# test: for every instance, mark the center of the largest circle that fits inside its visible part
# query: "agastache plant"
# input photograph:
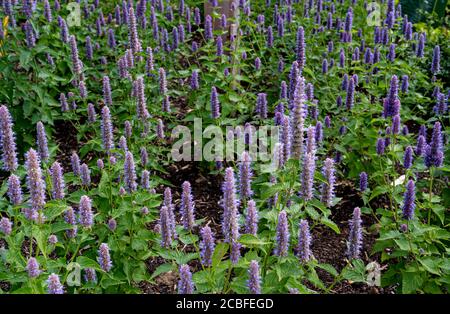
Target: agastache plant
(187, 206)
(7, 141)
(35, 182)
(254, 281)
(282, 235)
(207, 246)
(355, 236)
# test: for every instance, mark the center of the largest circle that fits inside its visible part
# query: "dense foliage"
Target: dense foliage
(87, 201)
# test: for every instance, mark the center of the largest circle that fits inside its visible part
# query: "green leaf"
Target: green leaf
(411, 281)
(219, 252)
(250, 240)
(329, 223)
(164, 268)
(329, 269)
(86, 262)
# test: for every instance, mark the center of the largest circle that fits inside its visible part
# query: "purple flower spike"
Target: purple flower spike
(304, 242)
(350, 98)
(187, 206)
(215, 104)
(301, 48)
(421, 46)
(14, 190)
(207, 246)
(35, 182)
(408, 200)
(194, 80)
(76, 62)
(166, 227)
(355, 236)
(85, 175)
(251, 221)
(107, 91)
(42, 142)
(107, 130)
(92, 115)
(298, 118)
(282, 235)
(380, 146)
(75, 161)
(104, 258)
(185, 284)
(254, 281)
(85, 211)
(129, 173)
(33, 268)
(5, 226)
(362, 181)
(54, 286)
(7, 140)
(441, 106)
(434, 151)
(71, 219)
(56, 172)
(208, 28)
(435, 64)
(408, 157)
(90, 275)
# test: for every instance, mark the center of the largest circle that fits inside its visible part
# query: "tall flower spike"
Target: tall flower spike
(7, 140)
(71, 219)
(304, 242)
(56, 172)
(35, 181)
(135, 43)
(129, 173)
(187, 206)
(245, 177)
(362, 181)
(298, 118)
(215, 105)
(5, 226)
(282, 235)
(162, 81)
(42, 142)
(408, 200)
(14, 190)
(145, 180)
(33, 268)
(85, 211)
(434, 151)
(85, 175)
(107, 91)
(408, 157)
(435, 64)
(254, 281)
(355, 236)
(206, 246)
(229, 201)
(167, 229)
(77, 66)
(185, 284)
(107, 130)
(328, 187)
(54, 286)
(104, 258)
(300, 50)
(350, 98)
(251, 221)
